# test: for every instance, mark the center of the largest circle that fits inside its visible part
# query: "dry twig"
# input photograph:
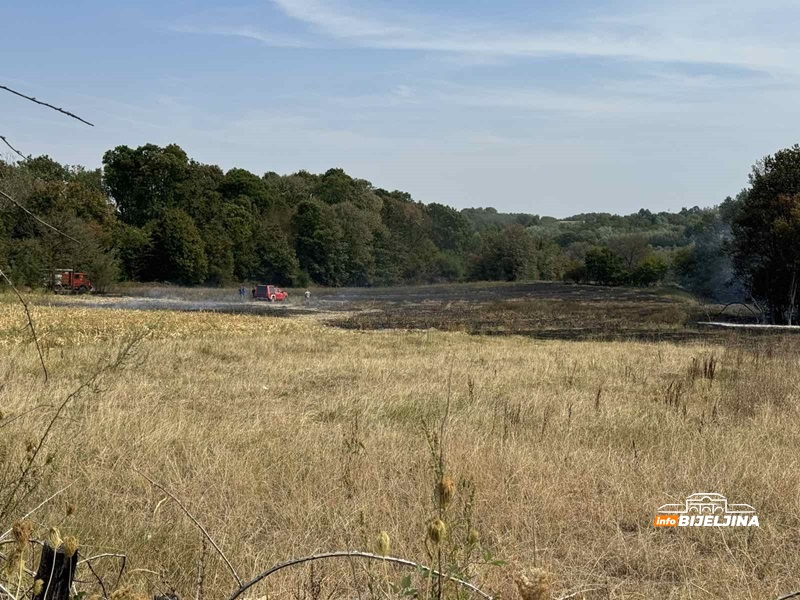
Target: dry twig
(32, 99)
(575, 594)
(123, 563)
(30, 320)
(357, 554)
(7, 143)
(37, 507)
(198, 524)
(39, 220)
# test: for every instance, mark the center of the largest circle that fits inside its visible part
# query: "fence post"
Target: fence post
(56, 570)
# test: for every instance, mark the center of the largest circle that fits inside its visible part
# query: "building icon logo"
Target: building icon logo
(706, 509)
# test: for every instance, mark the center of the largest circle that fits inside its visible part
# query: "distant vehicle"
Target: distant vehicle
(67, 281)
(269, 292)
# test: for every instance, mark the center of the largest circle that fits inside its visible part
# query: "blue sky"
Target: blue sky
(552, 107)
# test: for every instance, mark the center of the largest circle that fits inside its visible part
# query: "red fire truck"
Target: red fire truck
(67, 281)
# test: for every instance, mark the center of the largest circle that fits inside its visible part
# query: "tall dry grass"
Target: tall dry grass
(286, 437)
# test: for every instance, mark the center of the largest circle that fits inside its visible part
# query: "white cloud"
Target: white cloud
(275, 40)
(671, 34)
(403, 91)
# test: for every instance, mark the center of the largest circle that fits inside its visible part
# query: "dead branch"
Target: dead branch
(201, 571)
(10, 420)
(792, 595)
(40, 505)
(7, 143)
(39, 220)
(30, 320)
(122, 565)
(575, 594)
(357, 554)
(32, 99)
(99, 580)
(6, 592)
(198, 524)
(27, 570)
(104, 555)
(724, 308)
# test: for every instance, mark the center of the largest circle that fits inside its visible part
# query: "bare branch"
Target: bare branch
(26, 569)
(99, 580)
(575, 594)
(32, 99)
(7, 143)
(30, 320)
(40, 505)
(10, 420)
(104, 555)
(357, 554)
(792, 595)
(199, 526)
(123, 563)
(6, 592)
(29, 213)
(201, 572)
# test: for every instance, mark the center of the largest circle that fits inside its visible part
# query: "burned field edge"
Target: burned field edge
(551, 312)
(539, 310)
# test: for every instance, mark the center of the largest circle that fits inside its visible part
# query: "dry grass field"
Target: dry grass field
(287, 437)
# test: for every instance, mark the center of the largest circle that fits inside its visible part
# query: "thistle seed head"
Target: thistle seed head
(70, 546)
(436, 531)
(384, 543)
(21, 530)
(54, 538)
(474, 537)
(445, 490)
(535, 587)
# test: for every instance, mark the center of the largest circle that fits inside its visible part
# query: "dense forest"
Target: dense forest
(153, 214)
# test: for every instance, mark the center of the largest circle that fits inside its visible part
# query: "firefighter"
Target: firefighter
(308, 296)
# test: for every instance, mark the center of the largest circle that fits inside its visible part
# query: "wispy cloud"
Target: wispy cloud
(276, 40)
(645, 35)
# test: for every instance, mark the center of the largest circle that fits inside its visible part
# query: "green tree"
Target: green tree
(143, 182)
(317, 241)
(103, 269)
(178, 252)
(605, 267)
(27, 262)
(357, 237)
(649, 271)
(632, 248)
(505, 255)
(276, 262)
(765, 247)
(238, 182)
(451, 231)
(133, 248)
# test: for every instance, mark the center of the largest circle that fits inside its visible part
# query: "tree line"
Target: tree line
(153, 214)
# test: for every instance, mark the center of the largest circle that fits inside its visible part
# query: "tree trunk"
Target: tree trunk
(792, 295)
(57, 571)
